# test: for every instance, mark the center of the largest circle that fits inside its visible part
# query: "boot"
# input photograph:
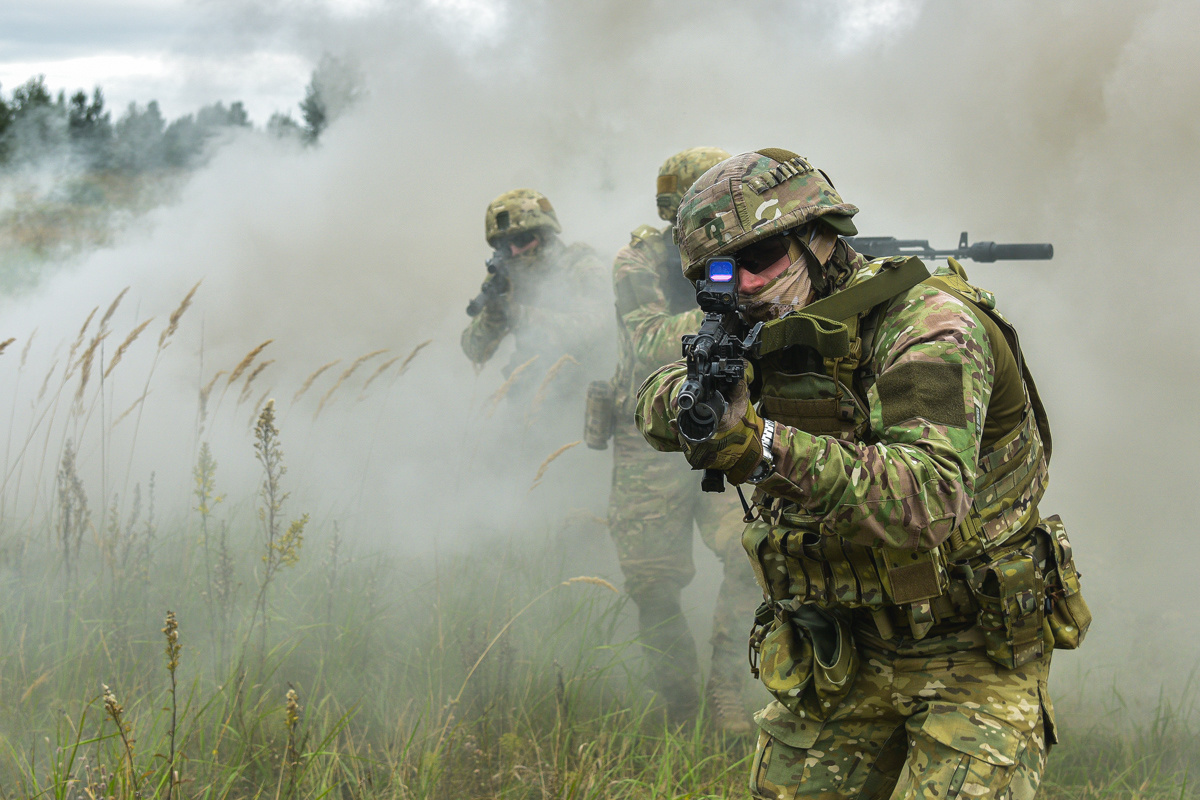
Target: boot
(726, 709)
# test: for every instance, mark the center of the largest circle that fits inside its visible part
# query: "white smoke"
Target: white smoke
(1018, 121)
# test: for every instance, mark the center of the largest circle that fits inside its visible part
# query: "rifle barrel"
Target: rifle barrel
(983, 252)
(990, 251)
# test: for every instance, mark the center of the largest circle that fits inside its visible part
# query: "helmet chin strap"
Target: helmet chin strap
(818, 242)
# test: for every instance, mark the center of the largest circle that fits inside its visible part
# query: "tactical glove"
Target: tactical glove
(736, 446)
(499, 312)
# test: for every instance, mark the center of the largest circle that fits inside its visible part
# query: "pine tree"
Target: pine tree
(335, 86)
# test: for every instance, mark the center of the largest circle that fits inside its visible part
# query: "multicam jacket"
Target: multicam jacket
(656, 306)
(555, 307)
(905, 463)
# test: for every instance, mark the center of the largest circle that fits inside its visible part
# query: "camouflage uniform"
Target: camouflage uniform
(913, 592)
(553, 307)
(654, 501)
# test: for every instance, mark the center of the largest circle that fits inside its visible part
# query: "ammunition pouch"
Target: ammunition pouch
(1068, 616)
(1021, 590)
(804, 656)
(795, 561)
(599, 415)
(1011, 593)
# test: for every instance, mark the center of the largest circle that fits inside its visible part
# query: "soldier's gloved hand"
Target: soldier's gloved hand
(498, 312)
(736, 447)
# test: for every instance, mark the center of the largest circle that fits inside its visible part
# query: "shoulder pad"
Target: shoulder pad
(956, 280)
(643, 234)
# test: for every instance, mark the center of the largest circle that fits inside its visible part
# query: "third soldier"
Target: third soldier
(542, 291)
(655, 501)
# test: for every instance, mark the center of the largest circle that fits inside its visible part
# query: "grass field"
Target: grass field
(237, 648)
(377, 678)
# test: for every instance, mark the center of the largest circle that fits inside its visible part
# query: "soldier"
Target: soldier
(898, 453)
(545, 293)
(654, 501)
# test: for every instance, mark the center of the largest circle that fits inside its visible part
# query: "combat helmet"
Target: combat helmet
(751, 197)
(679, 172)
(519, 211)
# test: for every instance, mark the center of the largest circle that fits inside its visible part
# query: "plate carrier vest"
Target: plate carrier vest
(816, 370)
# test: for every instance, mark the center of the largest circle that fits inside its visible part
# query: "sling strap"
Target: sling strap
(820, 324)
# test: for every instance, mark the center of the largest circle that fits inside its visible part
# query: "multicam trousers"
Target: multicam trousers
(655, 500)
(934, 718)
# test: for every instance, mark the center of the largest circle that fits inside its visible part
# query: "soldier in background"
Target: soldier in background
(655, 501)
(547, 294)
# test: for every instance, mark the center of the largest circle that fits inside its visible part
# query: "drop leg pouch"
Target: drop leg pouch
(808, 661)
(599, 415)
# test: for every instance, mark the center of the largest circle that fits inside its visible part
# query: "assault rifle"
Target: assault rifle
(493, 287)
(715, 361)
(887, 246)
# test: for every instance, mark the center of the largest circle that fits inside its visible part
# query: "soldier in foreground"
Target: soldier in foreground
(545, 293)
(654, 501)
(898, 452)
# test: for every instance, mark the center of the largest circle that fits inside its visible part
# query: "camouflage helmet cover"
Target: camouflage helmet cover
(518, 211)
(751, 197)
(679, 172)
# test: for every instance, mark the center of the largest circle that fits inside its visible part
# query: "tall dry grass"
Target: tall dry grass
(488, 673)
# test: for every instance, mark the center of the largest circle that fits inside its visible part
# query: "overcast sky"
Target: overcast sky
(189, 53)
(182, 53)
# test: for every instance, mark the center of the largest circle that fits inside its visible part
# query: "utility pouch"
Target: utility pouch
(1068, 614)
(807, 659)
(1011, 595)
(600, 415)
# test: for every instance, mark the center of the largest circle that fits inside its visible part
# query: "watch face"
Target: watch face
(761, 472)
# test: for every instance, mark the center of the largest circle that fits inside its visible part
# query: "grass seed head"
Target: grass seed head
(346, 374)
(171, 632)
(46, 382)
(111, 706)
(539, 397)
(173, 321)
(125, 345)
(494, 401)
(85, 365)
(205, 476)
(408, 359)
(4, 345)
(382, 368)
(308, 382)
(292, 709)
(112, 309)
(245, 395)
(594, 581)
(129, 410)
(245, 363)
(537, 479)
(25, 349)
(78, 341)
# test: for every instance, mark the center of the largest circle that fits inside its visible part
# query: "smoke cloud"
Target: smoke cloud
(1070, 123)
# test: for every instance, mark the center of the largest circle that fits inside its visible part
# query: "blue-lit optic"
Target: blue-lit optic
(720, 271)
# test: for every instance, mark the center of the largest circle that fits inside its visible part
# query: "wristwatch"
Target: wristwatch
(766, 467)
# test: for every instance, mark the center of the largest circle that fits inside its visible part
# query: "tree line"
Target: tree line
(37, 124)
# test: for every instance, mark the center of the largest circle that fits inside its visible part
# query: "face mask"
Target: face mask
(792, 290)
